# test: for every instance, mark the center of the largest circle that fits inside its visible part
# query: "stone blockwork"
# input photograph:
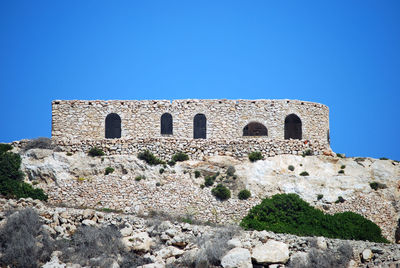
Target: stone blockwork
(164, 148)
(76, 124)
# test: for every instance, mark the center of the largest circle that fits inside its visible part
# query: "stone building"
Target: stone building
(271, 126)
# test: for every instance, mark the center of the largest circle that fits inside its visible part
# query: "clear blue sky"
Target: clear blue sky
(342, 53)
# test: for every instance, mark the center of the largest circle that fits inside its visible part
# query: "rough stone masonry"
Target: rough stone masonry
(197, 127)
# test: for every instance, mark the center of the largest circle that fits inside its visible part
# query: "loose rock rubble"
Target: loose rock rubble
(176, 244)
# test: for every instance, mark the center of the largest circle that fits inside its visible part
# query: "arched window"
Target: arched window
(113, 126)
(166, 124)
(293, 127)
(255, 129)
(199, 126)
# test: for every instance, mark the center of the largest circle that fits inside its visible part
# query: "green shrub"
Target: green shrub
(342, 166)
(341, 171)
(230, 171)
(244, 194)
(291, 168)
(4, 147)
(180, 157)
(254, 156)
(11, 184)
(307, 152)
(209, 181)
(304, 173)
(9, 166)
(221, 192)
(96, 152)
(161, 170)
(140, 177)
(374, 185)
(340, 200)
(377, 185)
(383, 158)
(320, 196)
(288, 213)
(108, 170)
(69, 154)
(197, 174)
(20, 189)
(171, 163)
(149, 158)
(158, 184)
(340, 155)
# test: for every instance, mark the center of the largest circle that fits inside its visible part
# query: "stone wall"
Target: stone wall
(78, 124)
(164, 148)
(75, 119)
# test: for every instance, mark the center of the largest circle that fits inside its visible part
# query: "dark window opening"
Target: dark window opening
(113, 126)
(328, 137)
(293, 127)
(166, 124)
(199, 126)
(255, 129)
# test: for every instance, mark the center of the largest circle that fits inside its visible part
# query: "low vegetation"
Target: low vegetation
(140, 177)
(304, 173)
(161, 170)
(221, 192)
(244, 194)
(340, 155)
(38, 143)
(288, 213)
(320, 196)
(95, 152)
(377, 185)
(108, 170)
(209, 181)
(197, 174)
(180, 157)
(291, 168)
(24, 244)
(149, 158)
(255, 156)
(340, 200)
(230, 171)
(323, 258)
(11, 177)
(307, 152)
(341, 171)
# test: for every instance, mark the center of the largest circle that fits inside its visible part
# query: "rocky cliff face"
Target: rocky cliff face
(79, 180)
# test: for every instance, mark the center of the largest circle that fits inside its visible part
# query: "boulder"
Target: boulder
(271, 252)
(168, 252)
(88, 223)
(321, 243)
(366, 255)
(237, 258)
(139, 242)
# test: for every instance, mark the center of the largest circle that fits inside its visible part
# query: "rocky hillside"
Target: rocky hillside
(333, 184)
(68, 237)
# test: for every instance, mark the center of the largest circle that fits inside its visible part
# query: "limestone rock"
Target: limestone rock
(321, 243)
(367, 255)
(168, 252)
(139, 242)
(271, 252)
(88, 223)
(54, 263)
(237, 258)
